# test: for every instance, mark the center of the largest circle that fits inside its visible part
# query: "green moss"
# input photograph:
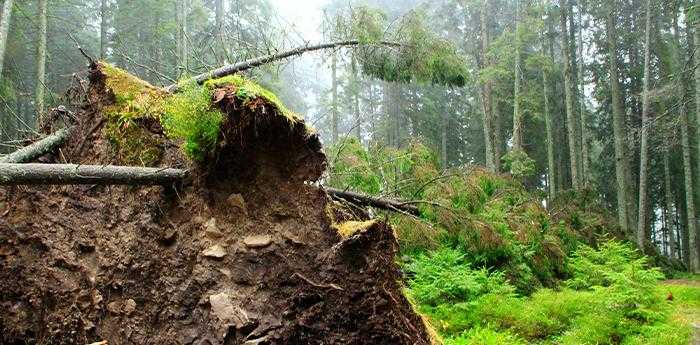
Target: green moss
(134, 100)
(188, 115)
(248, 91)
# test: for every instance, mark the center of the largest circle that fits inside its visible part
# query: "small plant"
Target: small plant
(188, 115)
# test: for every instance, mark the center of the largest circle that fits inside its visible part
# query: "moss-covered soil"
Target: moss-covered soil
(244, 252)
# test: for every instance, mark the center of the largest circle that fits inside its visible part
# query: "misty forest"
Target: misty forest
(349, 172)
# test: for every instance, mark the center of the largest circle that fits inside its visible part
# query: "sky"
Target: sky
(304, 15)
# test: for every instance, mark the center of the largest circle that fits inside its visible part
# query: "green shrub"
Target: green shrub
(485, 336)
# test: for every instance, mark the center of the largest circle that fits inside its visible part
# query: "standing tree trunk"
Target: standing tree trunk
(669, 204)
(696, 60)
(356, 100)
(689, 195)
(585, 158)
(646, 123)
(490, 137)
(443, 138)
(334, 98)
(103, 29)
(571, 122)
(181, 19)
(517, 114)
(550, 138)
(4, 30)
(41, 59)
(624, 197)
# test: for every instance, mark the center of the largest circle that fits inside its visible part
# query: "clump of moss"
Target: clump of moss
(248, 91)
(189, 115)
(134, 100)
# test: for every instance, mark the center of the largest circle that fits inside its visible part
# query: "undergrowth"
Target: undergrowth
(486, 263)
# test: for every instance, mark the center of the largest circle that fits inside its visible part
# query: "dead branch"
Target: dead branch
(387, 204)
(39, 148)
(57, 174)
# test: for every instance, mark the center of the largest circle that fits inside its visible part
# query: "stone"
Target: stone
(237, 201)
(225, 311)
(129, 307)
(216, 251)
(114, 307)
(211, 230)
(257, 241)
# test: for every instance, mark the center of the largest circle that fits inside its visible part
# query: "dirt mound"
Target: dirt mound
(245, 253)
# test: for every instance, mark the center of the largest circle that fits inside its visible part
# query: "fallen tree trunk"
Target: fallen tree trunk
(366, 200)
(37, 174)
(37, 149)
(259, 61)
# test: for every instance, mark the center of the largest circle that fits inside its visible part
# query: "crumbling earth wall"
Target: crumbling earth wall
(243, 253)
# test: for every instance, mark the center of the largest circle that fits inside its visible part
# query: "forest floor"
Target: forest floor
(686, 297)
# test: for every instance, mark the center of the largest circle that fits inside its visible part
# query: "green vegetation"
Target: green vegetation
(487, 264)
(189, 115)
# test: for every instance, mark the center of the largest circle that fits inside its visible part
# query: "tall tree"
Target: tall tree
(585, 158)
(490, 112)
(517, 113)
(624, 197)
(696, 60)
(334, 97)
(103, 29)
(181, 38)
(4, 30)
(644, 136)
(571, 121)
(41, 59)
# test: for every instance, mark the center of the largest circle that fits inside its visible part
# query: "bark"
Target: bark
(517, 115)
(443, 139)
(550, 138)
(41, 60)
(103, 29)
(387, 204)
(262, 60)
(624, 198)
(334, 98)
(489, 118)
(4, 30)
(646, 123)
(38, 174)
(696, 60)
(37, 149)
(356, 100)
(571, 121)
(689, 195)
(585, 157)
(669, 206)
(181, 20)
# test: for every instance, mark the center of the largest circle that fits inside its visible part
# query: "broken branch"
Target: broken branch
(38, 148)
(387, 204)
(36, 174)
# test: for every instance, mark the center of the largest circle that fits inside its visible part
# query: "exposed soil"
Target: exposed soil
(243, 254)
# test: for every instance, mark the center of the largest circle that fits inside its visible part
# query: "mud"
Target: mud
(244, 253)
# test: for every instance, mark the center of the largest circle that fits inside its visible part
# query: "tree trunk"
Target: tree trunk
(182, 53)
(334, 98)
(443, 138)
(571, 122)
(669, 204)
(646, 123)
(517, 115)
(103, 29)
(585, 158)
(41, 60)
(4, 30)
(689, 195)
(33, 174)
(356, 100)
(491, 152)
(624, 198)
(551, 181)
(696, 60)
(37, 149)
